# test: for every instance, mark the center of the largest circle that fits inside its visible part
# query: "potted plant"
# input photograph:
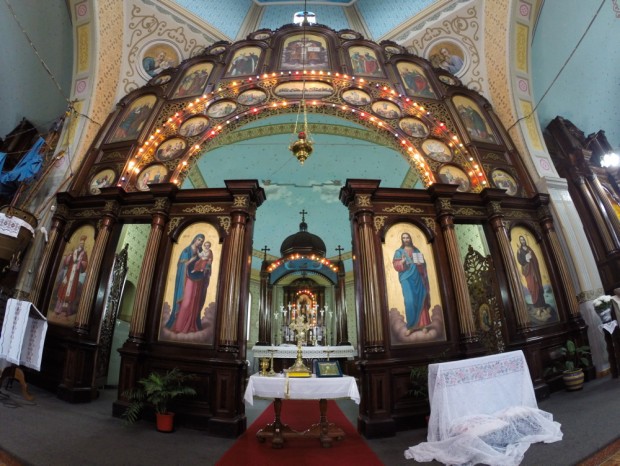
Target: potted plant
(158, 390)
(570, 361)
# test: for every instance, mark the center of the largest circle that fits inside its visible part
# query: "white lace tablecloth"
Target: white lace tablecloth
(483, 410)
(309, 352)
(306, 388)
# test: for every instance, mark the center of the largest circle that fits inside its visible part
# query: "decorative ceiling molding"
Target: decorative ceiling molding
(416, 23)
(196, 23)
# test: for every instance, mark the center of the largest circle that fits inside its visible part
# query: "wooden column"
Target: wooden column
(265, 313)
(82, 319)
(147, 272)
(231, 287)
(461, 292)
(601, 225)
(342, 329)
(609, 210)
(546, 222)
(55, 234)
(496, 220)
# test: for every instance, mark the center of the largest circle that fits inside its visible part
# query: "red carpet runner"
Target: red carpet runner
(299, 415)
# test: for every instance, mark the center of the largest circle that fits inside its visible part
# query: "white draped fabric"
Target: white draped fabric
(483, 411)
(23, 334)
(302, 388)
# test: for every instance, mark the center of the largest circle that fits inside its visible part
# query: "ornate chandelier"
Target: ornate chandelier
(301, 142)
(302, 146)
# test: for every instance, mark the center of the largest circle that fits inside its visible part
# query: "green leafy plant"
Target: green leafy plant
(575, 357)
(418, 378)
(569, 357)
(157, 390)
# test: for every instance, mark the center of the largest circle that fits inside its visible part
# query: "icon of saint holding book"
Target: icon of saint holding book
(409, 263)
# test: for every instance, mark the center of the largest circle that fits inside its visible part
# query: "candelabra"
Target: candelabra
(299, 369)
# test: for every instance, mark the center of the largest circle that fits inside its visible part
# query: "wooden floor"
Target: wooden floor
(608, 456)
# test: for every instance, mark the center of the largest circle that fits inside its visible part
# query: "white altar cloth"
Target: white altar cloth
(301, 388)
(483, 410)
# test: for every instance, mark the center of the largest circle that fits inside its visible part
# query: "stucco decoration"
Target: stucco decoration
(459, 34)
(149, 25)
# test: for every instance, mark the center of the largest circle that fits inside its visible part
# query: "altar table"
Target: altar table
(307, 388)
(483, 410)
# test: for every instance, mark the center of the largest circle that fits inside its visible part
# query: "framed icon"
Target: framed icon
(261, 35)
(194, 126)
(301, 51)
(414, 127)
(156, 173)
(309, 89)
(244, 62)
(451, 174)
(327, 368)
(386, 109)
(170, 149)
(356, 97)
(437, 150)
(504, 180)
(414, 79)
(364, 62)
(194, 80)
(221, 109)
(252, 97)
(474, 120)
(103, 179)
(134, 119)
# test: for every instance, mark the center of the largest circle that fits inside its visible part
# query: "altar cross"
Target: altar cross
(339, 249)
(265, 249)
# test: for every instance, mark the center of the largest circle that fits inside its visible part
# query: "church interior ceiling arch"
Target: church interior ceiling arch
(376, 112)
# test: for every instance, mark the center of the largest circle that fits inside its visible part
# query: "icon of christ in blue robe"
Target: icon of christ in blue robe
(409, 263)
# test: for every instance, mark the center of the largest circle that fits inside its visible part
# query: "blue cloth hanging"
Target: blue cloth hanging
(28, 166)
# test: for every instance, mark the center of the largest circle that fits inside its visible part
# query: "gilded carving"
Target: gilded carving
(62, 210)
(173, 224)
(162, 204)
(88, 213)
(240, 201)
(113, 156)
(519, 214)
(136, 211)
(494, 208)
(379, 222)
(224, 222)
(363, 200)
(468, 211)
(445, 205)
(111, 207)
(203, 209)
(430, 223)
(403, 209)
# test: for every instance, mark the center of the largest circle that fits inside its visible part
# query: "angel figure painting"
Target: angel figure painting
(416, 313)
(188, 313)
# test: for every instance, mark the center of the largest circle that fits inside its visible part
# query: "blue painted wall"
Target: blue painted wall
(587, 92)
(26, 88)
